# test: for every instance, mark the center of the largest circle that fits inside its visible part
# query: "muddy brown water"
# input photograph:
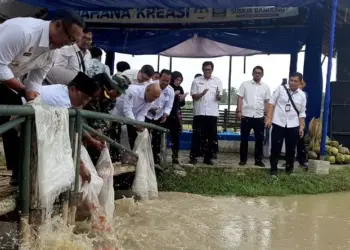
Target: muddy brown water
(187, 221)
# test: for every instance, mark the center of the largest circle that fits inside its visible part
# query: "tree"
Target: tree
(233, 96)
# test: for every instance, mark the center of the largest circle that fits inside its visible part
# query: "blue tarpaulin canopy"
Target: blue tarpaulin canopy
(96, 5)
(271, 35)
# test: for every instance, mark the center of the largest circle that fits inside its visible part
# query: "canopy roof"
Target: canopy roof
(193, 26)
(97, 5)
(198, 47)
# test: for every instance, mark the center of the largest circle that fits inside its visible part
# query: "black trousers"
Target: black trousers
(114, 133)
(204, 129)
(291, 137)
(258, 125)
(174, 126)
(301, 150)
(10, 138)
(156, 139)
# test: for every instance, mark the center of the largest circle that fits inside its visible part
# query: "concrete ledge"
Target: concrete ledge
(319, 167)
(233, 146)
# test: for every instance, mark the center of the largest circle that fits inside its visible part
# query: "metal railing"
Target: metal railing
(26, 118)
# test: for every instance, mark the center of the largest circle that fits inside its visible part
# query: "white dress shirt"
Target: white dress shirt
(58, 75)
(280, 99)
(68, 58)
(55, 95)
(207, 105)
(254, 97)
(132, 75)
(25, 48)
(163, 104)
(133, 104)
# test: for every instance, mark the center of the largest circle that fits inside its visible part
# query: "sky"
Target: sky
(276, 67)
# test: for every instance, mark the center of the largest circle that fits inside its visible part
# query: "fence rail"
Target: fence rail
(25, 117)
(226, 119)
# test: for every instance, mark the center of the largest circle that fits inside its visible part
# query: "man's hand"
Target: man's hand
(85, 173)
(31, 95)
(218, 97)
(163, 118)
(97, 144)
(268, 122)
(183, 97)
(139, 129)
(239, 115)
(301, 132)
(204, 92)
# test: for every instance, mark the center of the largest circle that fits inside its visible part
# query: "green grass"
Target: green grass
(254, 182)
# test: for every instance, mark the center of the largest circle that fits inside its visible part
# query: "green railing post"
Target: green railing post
(26, 134)
(163, 152)
(66, 195)
(75, 196)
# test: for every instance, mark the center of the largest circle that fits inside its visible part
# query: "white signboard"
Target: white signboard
(187, 15)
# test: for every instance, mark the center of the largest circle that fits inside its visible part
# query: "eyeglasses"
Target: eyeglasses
(70, 37)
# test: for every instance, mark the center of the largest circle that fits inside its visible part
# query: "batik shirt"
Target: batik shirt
(97, 68)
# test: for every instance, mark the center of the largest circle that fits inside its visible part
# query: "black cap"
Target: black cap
(85, 84)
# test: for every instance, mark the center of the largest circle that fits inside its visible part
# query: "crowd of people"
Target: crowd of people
(57, 61)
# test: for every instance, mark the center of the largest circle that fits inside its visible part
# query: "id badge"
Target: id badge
(287, 109)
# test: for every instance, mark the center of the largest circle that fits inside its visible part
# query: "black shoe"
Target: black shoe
(242, 163)
(260, 164)
(215, 156)
(193, 161)
(176, 161)
(208, 162)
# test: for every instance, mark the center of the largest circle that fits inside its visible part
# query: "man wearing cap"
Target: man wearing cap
(77, 94)
(104, 103)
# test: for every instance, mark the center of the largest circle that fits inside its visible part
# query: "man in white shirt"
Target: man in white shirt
(76, 57)
(161, 110)
(253, 97)
(286, 112)
(140, 77)
(135, 104)
(27, 46)
(206, 92)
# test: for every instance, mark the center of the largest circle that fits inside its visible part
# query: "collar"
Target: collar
(142, 94)
(76, 48)
(202, 77)
(297, 90)
(45, 35)
(254, 82)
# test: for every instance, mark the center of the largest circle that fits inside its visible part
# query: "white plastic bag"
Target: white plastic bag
(105, 170)
(124, 140)
(145, 182)
(56, 170)
(90, 190)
